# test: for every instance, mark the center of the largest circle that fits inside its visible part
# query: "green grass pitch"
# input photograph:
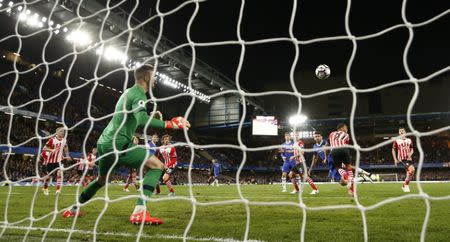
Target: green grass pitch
(395, 221)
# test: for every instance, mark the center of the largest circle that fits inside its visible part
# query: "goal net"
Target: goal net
(58, 57)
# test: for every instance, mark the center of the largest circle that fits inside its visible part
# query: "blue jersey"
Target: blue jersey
(153, 148)
(318, 148)
(288, 150)
(216, 168)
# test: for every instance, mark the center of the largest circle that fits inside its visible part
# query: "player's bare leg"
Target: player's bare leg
(59, 180)
(292, 176)
(166, 179)
(283, 181)
(409, 175)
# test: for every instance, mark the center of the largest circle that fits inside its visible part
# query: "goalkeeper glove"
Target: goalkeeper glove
(177, 123)
(158, 115)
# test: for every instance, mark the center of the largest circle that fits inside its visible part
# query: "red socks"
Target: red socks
(407, 179)
(58, 180)
(169, 185)
(311, 183)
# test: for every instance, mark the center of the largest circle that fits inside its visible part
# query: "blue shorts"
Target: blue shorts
(288, 166)
(333, 174)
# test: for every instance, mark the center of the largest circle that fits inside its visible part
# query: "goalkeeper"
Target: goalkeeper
(130, 113)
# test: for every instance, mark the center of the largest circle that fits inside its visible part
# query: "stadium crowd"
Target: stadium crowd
(22, 130)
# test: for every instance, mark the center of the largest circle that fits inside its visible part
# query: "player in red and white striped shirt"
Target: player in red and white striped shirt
(341, 156)
(54, 149)
(403, 146)
(88, 165)
(131, 180)
(169, 156)
(298, 168)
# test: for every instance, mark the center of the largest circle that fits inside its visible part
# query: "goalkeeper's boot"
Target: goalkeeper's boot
(171, 194)
(314, 192)
(58, 191)
(283, 189)
(70, 214)
(405, 188)
(144, 217)
(126, 190)
(45, 190)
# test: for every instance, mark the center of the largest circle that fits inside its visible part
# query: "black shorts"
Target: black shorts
(46, 169)
(340, 156)
(407, 163)
(298, 168)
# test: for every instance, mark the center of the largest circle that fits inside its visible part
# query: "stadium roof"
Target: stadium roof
(175, 60)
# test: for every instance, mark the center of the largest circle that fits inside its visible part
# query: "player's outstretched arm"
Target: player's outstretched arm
(394, 156)
(411, 152)
(66, 151)
(143, 118)
(313, 163)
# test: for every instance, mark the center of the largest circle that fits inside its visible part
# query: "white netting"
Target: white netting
(105, 12)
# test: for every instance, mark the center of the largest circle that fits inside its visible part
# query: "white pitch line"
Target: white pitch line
(204, 196)
(156, 236)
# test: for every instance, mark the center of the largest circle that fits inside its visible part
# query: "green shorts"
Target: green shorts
(133, 158)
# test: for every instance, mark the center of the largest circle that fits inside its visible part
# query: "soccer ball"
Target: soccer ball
(375, 177)
(323, 71)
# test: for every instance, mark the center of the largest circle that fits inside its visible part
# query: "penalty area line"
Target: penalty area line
(156, 236)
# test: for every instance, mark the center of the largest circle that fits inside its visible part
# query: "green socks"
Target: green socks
(90, 191)
(151, 178)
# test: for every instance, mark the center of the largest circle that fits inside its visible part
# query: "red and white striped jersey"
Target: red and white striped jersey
(57, 145)
(44, 156)
(339, 138)
(403, 147)
(169, 155)
(297, 148)
(90, 161)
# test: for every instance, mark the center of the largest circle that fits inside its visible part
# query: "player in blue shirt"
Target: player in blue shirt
(152, 143)
(286, 153)
(321, 154)
(214, 173)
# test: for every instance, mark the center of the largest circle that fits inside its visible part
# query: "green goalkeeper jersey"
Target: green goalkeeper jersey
(129, 114)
